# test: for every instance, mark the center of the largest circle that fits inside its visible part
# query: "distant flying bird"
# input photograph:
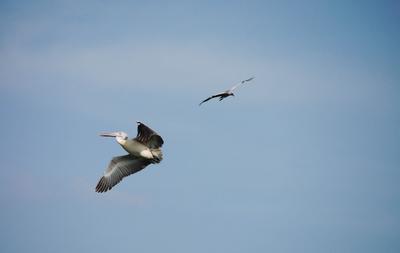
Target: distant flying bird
(143, 150)
(226, 93)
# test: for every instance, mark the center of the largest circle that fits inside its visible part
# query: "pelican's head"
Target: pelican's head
(119, 136)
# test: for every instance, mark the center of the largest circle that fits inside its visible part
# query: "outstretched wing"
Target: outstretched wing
(241, 82)
(213, 96)
(148, 136)
(248, 80)
(119, 167)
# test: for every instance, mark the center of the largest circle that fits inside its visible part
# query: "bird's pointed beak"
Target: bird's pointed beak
(109, 134)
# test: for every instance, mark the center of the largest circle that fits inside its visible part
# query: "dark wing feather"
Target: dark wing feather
(148, 136)
(213, 96)
(119, 167)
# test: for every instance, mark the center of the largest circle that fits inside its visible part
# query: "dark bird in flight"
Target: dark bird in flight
(143, 150)
(226, 93)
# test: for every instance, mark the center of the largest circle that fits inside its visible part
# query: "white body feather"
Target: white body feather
(135, 148)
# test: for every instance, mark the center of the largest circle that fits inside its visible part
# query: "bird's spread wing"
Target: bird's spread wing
(119, 167)
(241, 82)
(148, 137)
(248, 80)
(211, 97)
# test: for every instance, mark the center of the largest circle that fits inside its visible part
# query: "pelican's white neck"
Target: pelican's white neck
(121, 140)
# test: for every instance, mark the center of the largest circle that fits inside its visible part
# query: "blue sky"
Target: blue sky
(303, 159)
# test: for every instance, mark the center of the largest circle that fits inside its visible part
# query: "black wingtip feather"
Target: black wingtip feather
(102, 185)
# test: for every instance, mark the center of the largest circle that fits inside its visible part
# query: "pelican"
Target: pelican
(143, 150)
(226, 93)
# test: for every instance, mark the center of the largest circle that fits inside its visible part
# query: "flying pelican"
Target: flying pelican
(226, 93)
(143, 150)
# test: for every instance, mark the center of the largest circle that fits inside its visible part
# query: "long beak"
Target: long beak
(110, 134)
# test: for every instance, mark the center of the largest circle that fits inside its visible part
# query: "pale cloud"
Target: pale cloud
(193, 68)
(28, 187)
(167, 66)
(23, 185)
(83, 189)
(183, 67)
